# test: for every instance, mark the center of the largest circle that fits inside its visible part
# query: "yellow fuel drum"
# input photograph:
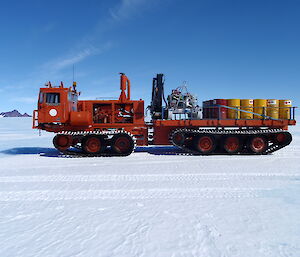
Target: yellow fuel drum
(260, 107)
(247, 105)
(285, 110)
(272, 108)
(235, 103)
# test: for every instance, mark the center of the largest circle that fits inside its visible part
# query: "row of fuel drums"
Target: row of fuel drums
(265, 108)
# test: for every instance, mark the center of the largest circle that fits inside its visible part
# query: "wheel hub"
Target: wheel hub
(93, 145)
(205, 143)
(122, 144)
(62, 141)
(281, 137)
(258, 143)
(232, 144)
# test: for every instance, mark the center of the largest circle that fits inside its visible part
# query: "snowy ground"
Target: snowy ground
(146, 204)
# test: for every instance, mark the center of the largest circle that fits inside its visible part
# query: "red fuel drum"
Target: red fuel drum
(219, 112)
(205, 105)
(211, 110)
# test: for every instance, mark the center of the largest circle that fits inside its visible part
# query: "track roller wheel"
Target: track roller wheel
(232, 144)
(62, 142)
(258, 144)
(283, 138)
(205, 144)
(178, 138)
(93, 145)
(122, 144)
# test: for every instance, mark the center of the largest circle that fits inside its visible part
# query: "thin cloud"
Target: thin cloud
(69, 60)
(89, 46)
(127, 8)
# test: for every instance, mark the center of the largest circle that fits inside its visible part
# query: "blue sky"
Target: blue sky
(222, 48)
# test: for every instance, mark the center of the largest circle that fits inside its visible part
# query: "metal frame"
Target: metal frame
(292, 111)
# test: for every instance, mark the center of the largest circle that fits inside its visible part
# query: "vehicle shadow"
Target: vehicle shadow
(52, 152)
(159, 150)
(29, 150)
(154, 150)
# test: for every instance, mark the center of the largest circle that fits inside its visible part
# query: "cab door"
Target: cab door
(51, 108)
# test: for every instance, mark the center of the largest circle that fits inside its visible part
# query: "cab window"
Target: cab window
(72, 97)
(41, 99)
(52, 98)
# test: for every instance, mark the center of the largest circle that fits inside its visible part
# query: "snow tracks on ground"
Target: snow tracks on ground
(148, 186)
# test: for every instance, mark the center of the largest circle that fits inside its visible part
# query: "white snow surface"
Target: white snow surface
(151, 203)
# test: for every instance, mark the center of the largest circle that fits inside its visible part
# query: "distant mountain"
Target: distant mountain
(14, 113)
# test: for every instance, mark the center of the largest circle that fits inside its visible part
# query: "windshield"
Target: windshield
(52, 98)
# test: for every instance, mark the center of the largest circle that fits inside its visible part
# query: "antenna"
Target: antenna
(74, 83)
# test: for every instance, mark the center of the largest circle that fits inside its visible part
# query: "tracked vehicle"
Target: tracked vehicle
(116, 127)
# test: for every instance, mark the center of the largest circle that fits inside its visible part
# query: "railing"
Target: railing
(237, 110)
(34, 119)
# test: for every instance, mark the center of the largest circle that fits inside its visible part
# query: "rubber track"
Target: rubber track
(108, 153)
(188, 151)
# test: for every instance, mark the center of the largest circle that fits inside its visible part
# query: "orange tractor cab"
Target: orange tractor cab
(56, 103)
(115, 127)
